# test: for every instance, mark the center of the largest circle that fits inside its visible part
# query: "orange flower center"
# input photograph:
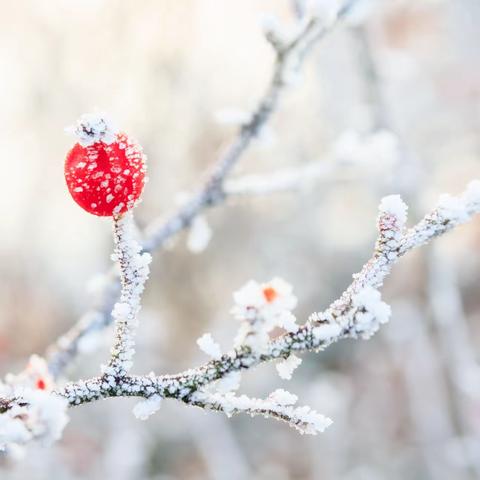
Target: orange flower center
(270, 294)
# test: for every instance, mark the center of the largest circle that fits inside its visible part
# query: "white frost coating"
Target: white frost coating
(144, 409)
(92, 128)
(208, 345)
(394, 205)
(229, 382)
(134, 273)
(453, 208)
(304, 419)
(43, 417)
(287, 321)
(282, 397)
(286, 368)
(199, 235)
(371, 311)
(327, 331)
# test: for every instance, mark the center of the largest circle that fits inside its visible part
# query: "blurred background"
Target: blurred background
(389, 101)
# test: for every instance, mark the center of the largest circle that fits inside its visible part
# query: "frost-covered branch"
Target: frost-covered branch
(289, 56)
(260, 308)
(279, 405)
(133, 275)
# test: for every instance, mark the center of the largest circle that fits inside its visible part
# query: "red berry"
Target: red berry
(105, 176)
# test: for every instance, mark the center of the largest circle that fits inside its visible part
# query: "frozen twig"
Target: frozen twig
(288, 58)
(133, 274)
(358, 313)
(280, 406)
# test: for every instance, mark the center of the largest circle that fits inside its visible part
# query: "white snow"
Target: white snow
(371, 311)
(286, 368)
(277, 405)
(452, 208)
(327, 331)
(92, 128)
(394, 205)
(282, 397)
(208, 345)
(229, 382)
(147, 407)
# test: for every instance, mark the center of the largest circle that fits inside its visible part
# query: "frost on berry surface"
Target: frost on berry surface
(106, 174)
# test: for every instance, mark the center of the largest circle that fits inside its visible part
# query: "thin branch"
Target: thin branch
(212, 193)
(133, 275)
(354, 314)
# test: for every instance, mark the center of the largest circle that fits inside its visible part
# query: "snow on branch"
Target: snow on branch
(357, 313)
(133, 275)
(288, 59)
(279, 405)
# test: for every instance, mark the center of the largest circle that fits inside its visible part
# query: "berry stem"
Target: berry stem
(133, 275)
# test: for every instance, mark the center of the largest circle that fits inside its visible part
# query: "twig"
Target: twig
(357, 313)
(133, 274)
(212, 193)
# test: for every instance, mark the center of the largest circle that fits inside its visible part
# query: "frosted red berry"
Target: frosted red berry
(105, 171)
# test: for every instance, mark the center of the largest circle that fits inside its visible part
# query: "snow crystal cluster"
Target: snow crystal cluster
(92, 128)
(371, 312)
(147, 407)
(261, 308)
(449, 212)
(460, 209)
(394, 206)
(208, 345)
(34, 412)
(279, 405)
(360, 310)
(286, 368)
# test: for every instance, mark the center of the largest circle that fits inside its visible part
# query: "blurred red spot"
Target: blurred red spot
(41, 385)
(270, 294)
